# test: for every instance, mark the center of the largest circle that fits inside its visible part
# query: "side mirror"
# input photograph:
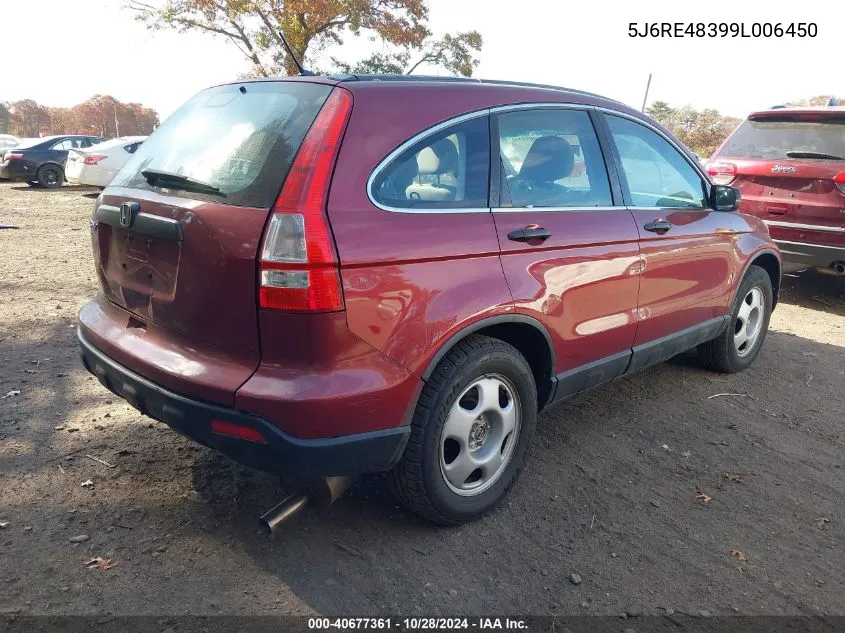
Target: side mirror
(724, 198)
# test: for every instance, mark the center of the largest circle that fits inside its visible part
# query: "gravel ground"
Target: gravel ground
(610, 492)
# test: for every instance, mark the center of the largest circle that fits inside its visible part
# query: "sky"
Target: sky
(99, 49)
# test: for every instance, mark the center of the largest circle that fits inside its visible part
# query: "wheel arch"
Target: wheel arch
(768, 260)
(528, 335)
(51, 163)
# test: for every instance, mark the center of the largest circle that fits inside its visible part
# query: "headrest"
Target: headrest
(550, 158)
(438, 158)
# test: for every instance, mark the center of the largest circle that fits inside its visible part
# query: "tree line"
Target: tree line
(101, 115)
(703, 131)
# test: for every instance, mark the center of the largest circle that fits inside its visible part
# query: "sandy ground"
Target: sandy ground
(609, 493)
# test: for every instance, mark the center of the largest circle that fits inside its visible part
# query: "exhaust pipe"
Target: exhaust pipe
(838, 268)
(321, 495)
(288, 508)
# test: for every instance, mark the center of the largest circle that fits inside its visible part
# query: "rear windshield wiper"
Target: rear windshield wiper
(170, 180)
(819, 155)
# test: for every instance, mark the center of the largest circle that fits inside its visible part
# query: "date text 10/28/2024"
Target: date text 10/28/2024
(418, 624)
(722, 29)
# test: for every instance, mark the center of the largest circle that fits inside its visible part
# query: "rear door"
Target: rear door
(786, 164)
(181, 255)
(687, 248)
(568, 247)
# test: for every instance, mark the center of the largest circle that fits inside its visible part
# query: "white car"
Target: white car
(7, 141)
(97, 165)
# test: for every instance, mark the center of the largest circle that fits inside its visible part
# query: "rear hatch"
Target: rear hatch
(177, 232)
(789, 166)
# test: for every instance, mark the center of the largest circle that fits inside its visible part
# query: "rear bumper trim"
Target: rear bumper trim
(810, 254)
(282, 454)
(805, 227)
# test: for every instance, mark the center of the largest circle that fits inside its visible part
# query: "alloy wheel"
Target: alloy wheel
(480, 434)
(749, 321)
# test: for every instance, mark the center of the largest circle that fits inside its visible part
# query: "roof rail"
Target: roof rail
(487, 82)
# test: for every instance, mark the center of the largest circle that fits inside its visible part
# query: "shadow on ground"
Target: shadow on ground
(609, 493)
(814, 291)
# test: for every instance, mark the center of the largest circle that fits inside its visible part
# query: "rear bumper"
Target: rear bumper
(84, 175)
(16, 170)
(281, 453)
(815, 255)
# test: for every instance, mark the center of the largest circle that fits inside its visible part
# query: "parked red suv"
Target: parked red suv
(789, 164)
(328, 276)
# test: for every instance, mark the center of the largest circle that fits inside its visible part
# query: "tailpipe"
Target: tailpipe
(836, 269)
(320, 495)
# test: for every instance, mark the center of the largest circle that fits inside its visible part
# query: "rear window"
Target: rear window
(773, 138)
(239, 138)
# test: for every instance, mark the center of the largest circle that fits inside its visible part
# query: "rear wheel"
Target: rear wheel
(737, 347)
(50, 176)
(471, 432)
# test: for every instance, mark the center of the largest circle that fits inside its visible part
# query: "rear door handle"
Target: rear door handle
(658, 226)
(530, 233)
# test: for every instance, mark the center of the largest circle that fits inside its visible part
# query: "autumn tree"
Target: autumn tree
(29, 119)
(101, 115)
(820, 100)
(5, 118)
(311, 26)
(700, 130)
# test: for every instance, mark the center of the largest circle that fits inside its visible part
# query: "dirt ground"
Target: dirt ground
(609, 493)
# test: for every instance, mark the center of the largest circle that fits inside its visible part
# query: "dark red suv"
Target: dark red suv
(329, 276)
(789, 165)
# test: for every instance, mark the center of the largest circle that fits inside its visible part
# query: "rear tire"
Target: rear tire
(737, 347)
(471, 433)
(50, 176)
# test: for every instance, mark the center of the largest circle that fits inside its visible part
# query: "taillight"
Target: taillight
(13, 155)
(722, 173)
(93, 159)
(298, 268)
(839, 179)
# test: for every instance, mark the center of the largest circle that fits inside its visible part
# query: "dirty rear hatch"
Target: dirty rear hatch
(176, 235)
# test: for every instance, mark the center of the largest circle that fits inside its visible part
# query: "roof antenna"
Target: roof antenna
(302, 71)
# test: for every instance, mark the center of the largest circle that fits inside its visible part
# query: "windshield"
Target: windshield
(772, 139)
(240, 139)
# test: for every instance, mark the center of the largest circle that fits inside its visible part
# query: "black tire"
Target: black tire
(50, 176)
(721, 353)
(417, 479)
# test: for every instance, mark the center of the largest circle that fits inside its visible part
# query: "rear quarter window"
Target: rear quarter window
(447, 169)
(240, 138)
(773, 138)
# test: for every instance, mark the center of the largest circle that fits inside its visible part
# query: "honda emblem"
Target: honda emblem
(128, 210)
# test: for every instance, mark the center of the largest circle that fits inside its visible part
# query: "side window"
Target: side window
(552, 158)
(63, 145)
(447, 170)
(658, 175)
